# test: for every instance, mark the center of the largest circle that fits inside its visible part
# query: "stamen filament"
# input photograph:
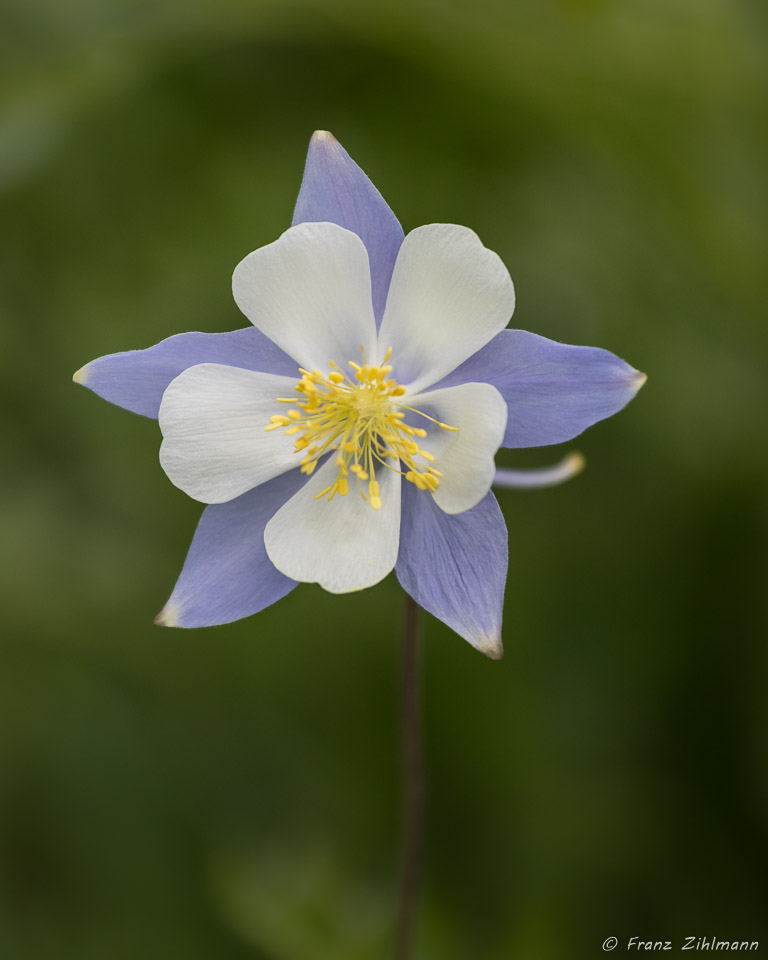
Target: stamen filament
(358, 415)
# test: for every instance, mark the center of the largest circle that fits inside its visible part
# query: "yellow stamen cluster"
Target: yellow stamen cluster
(361, 417)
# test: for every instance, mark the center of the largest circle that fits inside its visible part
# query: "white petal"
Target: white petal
(343, 545)
(449, 296)
(465, 458)
(310, 293)
(213, 419)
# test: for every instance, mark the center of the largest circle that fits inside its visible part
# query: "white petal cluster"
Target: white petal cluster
(310, 292)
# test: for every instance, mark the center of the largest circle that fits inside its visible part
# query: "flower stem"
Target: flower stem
(413, 780)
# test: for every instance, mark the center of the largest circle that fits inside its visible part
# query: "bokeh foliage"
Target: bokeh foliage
(233, 793)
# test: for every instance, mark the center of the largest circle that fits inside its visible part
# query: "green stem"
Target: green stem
(413, 780)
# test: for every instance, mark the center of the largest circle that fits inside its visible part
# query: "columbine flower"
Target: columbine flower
(352, 429)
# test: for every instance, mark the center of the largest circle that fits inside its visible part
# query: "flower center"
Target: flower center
(361, 417)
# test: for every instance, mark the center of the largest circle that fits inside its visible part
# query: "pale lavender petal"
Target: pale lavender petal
(455, 566)
(227, 574)
(335, 189)
(568, 467)
(136, 379)
(554, 390)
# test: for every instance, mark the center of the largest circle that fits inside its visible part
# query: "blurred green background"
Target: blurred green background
(233, 793)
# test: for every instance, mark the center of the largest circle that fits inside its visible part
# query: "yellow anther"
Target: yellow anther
(360, 420)
(374, 495)
(416, 478)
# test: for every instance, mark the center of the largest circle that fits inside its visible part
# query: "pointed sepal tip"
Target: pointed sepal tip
(491, 646)
(168, 616)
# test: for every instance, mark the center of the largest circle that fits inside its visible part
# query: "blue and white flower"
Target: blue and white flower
(351, 430)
